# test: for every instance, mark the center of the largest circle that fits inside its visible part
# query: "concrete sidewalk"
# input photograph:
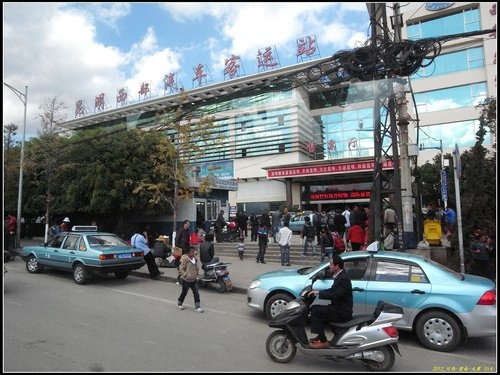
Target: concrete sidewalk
(241, 272)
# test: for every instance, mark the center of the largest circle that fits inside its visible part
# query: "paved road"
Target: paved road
(241, 272)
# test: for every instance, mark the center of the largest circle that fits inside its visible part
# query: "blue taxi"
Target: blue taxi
(442, 307)
(84, 251)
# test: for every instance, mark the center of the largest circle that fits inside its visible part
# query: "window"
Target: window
(70, 243)
(399, 272)
(471, 58)
(452, 97)
(356, 268)
(456, 23)
(56, 241)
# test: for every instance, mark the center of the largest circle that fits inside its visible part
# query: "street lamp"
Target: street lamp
(20, 95)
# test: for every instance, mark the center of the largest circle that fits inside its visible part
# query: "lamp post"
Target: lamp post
(24, 99)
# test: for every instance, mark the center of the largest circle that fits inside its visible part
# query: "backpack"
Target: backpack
(310, 231)
(338, 243)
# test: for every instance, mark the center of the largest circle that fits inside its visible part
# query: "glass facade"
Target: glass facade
(462, 133)
(470, 58)
(451, 97)
(456, 23)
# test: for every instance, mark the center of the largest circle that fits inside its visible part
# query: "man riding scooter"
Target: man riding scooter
(340, 308)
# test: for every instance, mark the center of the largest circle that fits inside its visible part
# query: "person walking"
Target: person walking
(356, 237)
(308, 234)
(286, 216)
(254, 227)
(285, 240)
(241, 247)
(276, 224)
(138, 241)
(189, 270)
(326, 242)
(347, 214)
(182, 239)
(263, 240)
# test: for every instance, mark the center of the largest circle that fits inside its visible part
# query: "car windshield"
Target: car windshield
(105, 240)
(311, 270)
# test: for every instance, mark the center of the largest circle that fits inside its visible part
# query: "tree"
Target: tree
(478, 182)
(185, 142)
(52, 113)
(11, 155)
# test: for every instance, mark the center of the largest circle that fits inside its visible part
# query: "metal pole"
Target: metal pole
(445, 201)
(20, 95)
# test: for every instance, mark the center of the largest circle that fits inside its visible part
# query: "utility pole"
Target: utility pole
(386, 183)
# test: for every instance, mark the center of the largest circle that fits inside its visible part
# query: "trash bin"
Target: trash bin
(433, 232)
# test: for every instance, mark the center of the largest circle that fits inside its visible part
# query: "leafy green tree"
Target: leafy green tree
(478, 178)
(183, 143)
(11, 155)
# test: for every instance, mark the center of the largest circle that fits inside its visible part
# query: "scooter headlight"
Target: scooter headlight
(292, 305)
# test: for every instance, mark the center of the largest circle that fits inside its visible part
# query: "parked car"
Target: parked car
(84, 251)
(297, 222)
(442, 307)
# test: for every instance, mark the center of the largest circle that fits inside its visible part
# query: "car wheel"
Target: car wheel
(80, 274)
(438, 331)
(279, 347)
(276, 304)
(121, 275)
(32, 265)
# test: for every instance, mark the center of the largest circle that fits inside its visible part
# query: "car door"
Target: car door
(66, 253)
(357, 269)
(49, 254)
(397, 281)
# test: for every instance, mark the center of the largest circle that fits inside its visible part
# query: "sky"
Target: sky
(76, 51)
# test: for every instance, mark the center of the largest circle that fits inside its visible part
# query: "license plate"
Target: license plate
(124, 256)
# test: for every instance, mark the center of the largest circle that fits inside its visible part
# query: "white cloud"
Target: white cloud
(54, 48)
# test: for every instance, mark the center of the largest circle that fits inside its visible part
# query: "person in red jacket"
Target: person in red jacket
(356, 236)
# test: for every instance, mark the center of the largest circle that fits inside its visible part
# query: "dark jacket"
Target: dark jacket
(182, 240)
(340, 295)
(206, 252)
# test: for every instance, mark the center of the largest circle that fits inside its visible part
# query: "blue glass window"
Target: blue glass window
(471, 58)
(462, 133)
(452, 97)
(463, 21)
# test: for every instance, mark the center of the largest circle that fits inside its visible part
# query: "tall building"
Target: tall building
(299, 136)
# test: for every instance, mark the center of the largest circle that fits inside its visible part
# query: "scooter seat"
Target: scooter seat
(358, 320)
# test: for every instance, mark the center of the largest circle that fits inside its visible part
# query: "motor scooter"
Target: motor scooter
(216, 276)
(371, 339)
